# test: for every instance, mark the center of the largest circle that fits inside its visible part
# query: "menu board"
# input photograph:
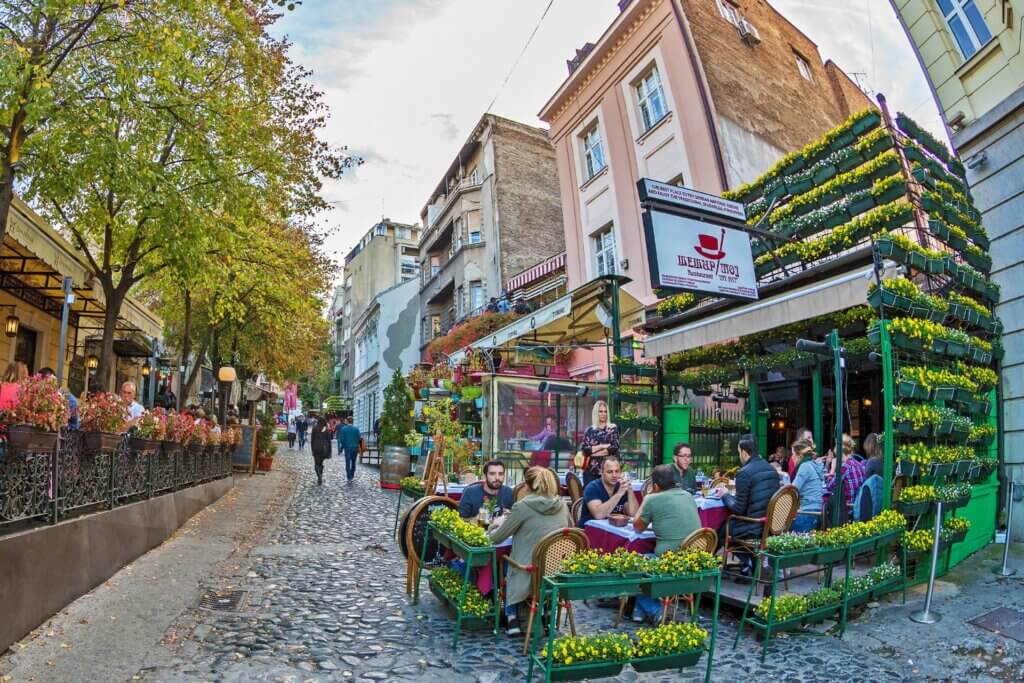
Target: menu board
(244, 455)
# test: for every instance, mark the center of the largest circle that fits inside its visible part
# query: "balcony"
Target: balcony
(442, 277)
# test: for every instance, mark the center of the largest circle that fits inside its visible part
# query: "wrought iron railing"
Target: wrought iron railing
(52, 486)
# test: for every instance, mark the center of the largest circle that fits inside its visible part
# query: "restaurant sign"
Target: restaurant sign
(695, 242)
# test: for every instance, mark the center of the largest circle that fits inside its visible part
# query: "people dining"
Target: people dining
(682, 470)
(15, 372)
(609, 494)
(756, 483)
(600, 440)
(853, 472)
(674, 515)
(536, 515)
(491, 488)
(873, 454)
(810, 482)
(802, 434)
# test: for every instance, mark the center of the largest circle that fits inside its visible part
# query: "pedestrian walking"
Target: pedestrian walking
(291, 431)
(319, 444)
(301, 424)
(348, 442)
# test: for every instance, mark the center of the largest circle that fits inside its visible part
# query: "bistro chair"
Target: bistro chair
(702, 539)
(520, 492)
(547, 561)
(575, 509)
(646, 488)
(777, 519)
(720, 481)
(574, 486)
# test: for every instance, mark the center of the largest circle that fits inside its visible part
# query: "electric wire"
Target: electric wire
(522, 52)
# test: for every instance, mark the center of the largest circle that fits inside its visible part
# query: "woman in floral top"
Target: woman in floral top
(600, 439)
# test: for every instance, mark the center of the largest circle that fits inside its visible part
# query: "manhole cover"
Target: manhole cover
(1004, 621)
(224, 601)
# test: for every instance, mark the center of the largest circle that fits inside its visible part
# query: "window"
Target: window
(804, 67)
(604, 251)
(435, 325)
(474, 176)
(476, 297)
(966, 24)
(381, 229)
(730, 12)
(409, 268)
(475, 236)
(593, 155)
(651, 99)
(404, 233)
(435, 265)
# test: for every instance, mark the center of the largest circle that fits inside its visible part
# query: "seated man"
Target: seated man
(674, 515)
(608, 494)
(492, 487)
(682, 471)
(756, 483)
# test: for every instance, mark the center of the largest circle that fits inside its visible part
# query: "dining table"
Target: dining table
(605, 536)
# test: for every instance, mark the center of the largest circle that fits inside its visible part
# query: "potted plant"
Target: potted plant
(396, 421)
(149, 432)
(265, 446)
(792, 549)
(916, 500)
(446, 585)
(619, 573)
(786, 610)
(574, 658)
(103, 417)
(40, 411)
(669, 646)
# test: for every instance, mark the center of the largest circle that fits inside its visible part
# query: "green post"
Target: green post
(762, 432)
(818, 416)
(888, 396)
(837, 369)
(752, 406)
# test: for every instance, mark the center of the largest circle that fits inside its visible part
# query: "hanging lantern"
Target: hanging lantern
(92, 362)
(145, 370)
(12, 325)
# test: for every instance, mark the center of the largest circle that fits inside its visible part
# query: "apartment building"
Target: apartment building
(385, 256)
(702, 93)
(495, 213)
(336, 317)
(971, 52)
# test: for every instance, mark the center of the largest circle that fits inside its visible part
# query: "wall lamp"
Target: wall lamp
(12, 324)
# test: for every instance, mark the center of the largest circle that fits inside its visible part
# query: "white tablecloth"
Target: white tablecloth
(625, 532)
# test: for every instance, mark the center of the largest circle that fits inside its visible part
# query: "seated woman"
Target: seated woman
(538, 514)
(810, 482)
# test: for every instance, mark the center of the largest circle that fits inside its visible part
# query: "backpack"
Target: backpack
(867, 504)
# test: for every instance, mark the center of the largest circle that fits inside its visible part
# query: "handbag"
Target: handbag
(362, 446)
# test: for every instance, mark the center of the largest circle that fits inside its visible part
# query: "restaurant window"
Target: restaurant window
(593, 154)
(966, 24)
(25, 348)
(476, 297)
(651, 98)
(604, 251)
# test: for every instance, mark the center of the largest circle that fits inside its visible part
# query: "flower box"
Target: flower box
(886, 247)
(982, 262)
(913, 390)
(935, 266)
(849, 160)
(27, 439)
(100, 442)
(907, 468)
(902, 341)
(913, 509)
(940, 469)
(939, 346)
(665, 586)
(584, 586)
(917, 260)
(843, 139)
(866, 123)
(980, 355)
(908, 429)
(892, 193)
(681, 660)
(797, 558)
(956, 349)
(642, 397)
(145, 446)
(998, 352)
(816, 616)
(986, 440)
(887, 586)
(944, 393)
(882, 296)
(799, 185)
(956, 503)
(823, 173)
(461, 550)
(777, 626)
(956, 537)
(588, 670)
(469, 622)
(835, 218)
(825, 556)
(881, 145)
(777, 190)
(796, 164)
(888, 538)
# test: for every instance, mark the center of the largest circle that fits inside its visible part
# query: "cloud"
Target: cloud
(448, 128)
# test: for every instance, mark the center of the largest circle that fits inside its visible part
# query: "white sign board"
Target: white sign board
(692, 199)
(690, 254)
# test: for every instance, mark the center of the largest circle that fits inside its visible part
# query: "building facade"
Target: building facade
(386, 338)
(385, 256)
(698, 93)
(495, 213)
(971, 52)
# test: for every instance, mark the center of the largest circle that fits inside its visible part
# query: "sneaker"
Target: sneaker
(513, 630)
(638, 618)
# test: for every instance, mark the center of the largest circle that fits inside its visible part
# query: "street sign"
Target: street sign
(695, 242)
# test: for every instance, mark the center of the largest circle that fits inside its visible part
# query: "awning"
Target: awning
(833, 294)
(579, 317)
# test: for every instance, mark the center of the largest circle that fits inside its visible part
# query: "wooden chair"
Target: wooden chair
(575, 509)
(702, 539)
(777, 519)
(574, 486)
(647, 486)
(720, 481)
(547, 560)
(520, 491)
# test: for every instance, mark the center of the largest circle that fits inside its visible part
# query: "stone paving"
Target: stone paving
(326, 601)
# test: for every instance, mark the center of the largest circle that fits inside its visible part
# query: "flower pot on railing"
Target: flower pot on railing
(23, 438)
(145, 446)
(866, 123)
(906, 468)
(100, 442)
(866, 203)
(907, 428)
(913, 390)
(955, 348)
(913, 509)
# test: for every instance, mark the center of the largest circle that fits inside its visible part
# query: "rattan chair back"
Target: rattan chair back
(551, 550)
(781, 511)
(646, 488)
(702, 539)
(574, 486)
(575, 510)
(520, 492)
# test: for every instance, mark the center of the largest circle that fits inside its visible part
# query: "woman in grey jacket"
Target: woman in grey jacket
(535, 516)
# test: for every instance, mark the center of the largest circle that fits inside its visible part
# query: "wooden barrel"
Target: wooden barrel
(394, 465)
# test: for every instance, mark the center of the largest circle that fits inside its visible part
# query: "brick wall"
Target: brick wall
(759, 86)
(529, 205)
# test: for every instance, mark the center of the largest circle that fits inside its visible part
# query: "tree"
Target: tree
(396, 418)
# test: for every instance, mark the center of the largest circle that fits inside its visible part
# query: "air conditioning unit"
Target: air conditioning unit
(748, 32)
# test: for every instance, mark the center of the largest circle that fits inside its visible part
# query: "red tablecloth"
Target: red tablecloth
(608, 541)
(484, 578)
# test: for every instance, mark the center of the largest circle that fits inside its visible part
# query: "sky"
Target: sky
(406, 80)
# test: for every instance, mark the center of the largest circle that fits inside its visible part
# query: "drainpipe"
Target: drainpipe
(702, 88)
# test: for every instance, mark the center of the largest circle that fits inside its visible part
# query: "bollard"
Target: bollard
(926, 616)
(1004, 570)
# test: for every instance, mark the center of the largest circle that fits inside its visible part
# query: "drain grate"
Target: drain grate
(1004, 621)
(222, 601)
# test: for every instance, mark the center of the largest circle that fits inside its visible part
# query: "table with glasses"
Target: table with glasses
(603, 535)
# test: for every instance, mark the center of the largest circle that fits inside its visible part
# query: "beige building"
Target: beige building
(702, 93)
(494, 213)
(971, 52)
(385, 256)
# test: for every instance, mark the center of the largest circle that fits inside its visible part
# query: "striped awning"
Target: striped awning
(535, 272)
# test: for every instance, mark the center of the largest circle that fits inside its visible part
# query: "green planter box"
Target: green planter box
(956, 503)
(794, 559)
(679, 661)
(859, 598)
(907, 468)
(887, 586)
(913, 509)
(849, 160)
(939, 346)
(982, 263)
(944, 393)
(940, 469)
(579, 672)
(462, 551)
(585, 586)
(913, 390)
(777, 626)
(955, 349)
(825, 556)
(956, 538)
(888, 538)
(866, 123)
(844, 139)
(917, 260)
(886, 247)
(935, 266)
(882, 296)
(980, 355)
(636, 370)
(824, 173)
(661, 587)
(469, 622)
(908, 429)
(891, 194)
(816, 616)
(908, 343)
(795, 186)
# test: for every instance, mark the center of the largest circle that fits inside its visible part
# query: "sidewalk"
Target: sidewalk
(108, 634)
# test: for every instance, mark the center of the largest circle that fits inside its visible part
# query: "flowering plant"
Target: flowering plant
(152, 425)
(678, 563)
(918, 414)
(180, 427)
(449, 582)
(790, 543)
(451, 524)
(918, 494)
(884, 572)
(787, 606)
(624, 561)
(103, 412)
(917, 541)
(968, 302)
(40, 404)
(607, 647)
(668, 639)
(982, 432)
(200, 434)
(955, 525)
(953, 492)
(823, 597)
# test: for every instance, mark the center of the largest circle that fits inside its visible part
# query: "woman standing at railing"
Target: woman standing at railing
(600, 439)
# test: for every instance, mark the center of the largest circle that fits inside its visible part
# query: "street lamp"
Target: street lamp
(146, 370)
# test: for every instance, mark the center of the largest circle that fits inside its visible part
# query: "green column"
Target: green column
(817, 412)
(753, 403)
(888, 396)
(837, 370)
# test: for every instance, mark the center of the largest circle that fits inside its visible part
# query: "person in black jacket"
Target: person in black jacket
(756, 483)
(320, 437)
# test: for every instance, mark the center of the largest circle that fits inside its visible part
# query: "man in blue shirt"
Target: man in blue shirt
(609, 494)
(492, 487)
(348, 442)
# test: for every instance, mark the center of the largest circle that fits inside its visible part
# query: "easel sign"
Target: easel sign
(243, 458)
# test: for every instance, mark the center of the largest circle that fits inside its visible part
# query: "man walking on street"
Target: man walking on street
(300, 430)
(291, 431)
(348, 441)
(320, 444)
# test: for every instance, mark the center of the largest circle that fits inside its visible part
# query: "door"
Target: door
(25, 348)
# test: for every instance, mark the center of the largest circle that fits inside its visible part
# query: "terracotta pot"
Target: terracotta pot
(28, 439)
(94, 442)
(264, 462)
(147, 446)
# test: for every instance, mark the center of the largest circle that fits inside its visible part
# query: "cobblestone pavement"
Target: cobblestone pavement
(326, 601)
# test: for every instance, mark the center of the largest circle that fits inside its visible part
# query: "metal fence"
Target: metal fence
(714, 433)
(52, 486)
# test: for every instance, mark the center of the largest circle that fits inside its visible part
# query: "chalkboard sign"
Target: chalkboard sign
(244, 456)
